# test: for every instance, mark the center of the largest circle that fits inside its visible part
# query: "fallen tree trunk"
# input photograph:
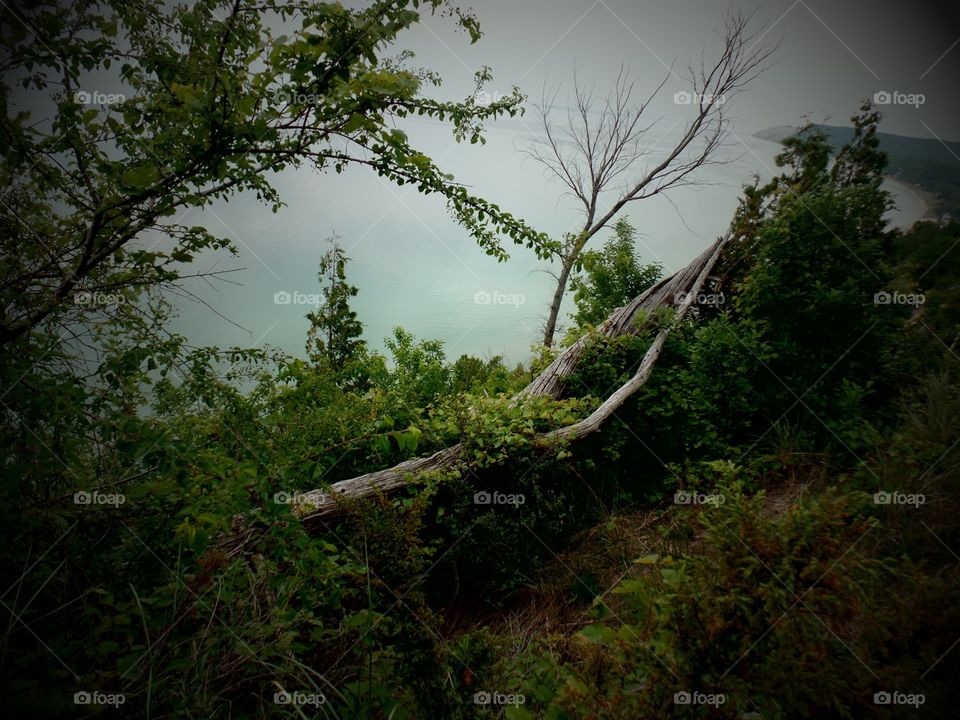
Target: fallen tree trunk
(609, 406)
(680, 289)
(623, 321)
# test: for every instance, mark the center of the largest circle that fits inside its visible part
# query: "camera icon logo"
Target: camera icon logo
(83, 297)
(682, 97)
(283, 498)
(882, 298)
(82, 498)
(882, 498)
(482, 298)
(481, 698)
(681, 698)
(282, 698)
(282, 298)
(482, 498)
(682, 497)
(882, 97)
(82, 698)
(881, 698)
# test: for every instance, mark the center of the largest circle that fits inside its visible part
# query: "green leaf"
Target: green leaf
(598, 634)
(631, 587)
(381, 444)
(184, 663)
(141, 177)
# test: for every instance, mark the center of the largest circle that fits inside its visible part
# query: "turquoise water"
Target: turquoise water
(416, 268)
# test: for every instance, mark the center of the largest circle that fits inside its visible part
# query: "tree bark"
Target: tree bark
(557, 300)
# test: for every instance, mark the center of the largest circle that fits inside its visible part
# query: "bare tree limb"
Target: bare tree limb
(588, 153)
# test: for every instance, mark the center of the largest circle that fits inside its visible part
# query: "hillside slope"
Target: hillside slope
(928, 163)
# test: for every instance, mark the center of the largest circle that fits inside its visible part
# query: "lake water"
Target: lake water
(416, 268)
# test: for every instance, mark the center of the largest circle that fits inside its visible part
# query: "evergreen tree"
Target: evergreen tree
(611, 277)
(807, 271)
(335, 332)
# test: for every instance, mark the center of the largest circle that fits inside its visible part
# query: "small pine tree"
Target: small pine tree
(335, 332)
(611, 277)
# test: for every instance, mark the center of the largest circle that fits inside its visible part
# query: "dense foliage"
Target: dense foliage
(928, 163)
(612, 276)
(767, 527)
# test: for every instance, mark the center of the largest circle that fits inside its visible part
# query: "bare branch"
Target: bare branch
(602, 142)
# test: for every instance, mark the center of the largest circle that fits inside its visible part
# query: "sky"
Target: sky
(416, 268)
(832, 52)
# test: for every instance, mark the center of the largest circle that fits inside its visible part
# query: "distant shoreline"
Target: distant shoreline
(926, 197)
(779, 133)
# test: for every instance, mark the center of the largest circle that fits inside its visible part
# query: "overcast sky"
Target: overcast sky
(416, 268)
(833, 51)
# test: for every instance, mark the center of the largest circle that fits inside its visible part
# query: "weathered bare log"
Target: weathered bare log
(318, 504)
(622, 321)
(609, 406)
(679, 289)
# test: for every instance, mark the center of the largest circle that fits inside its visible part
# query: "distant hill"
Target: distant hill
(777, 133)
(925, 162)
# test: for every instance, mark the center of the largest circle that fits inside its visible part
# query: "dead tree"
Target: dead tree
(678, 290)
(591, 150)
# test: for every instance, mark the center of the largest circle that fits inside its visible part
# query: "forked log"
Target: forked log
(624, 320)
(680, 289)
(609, 406)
